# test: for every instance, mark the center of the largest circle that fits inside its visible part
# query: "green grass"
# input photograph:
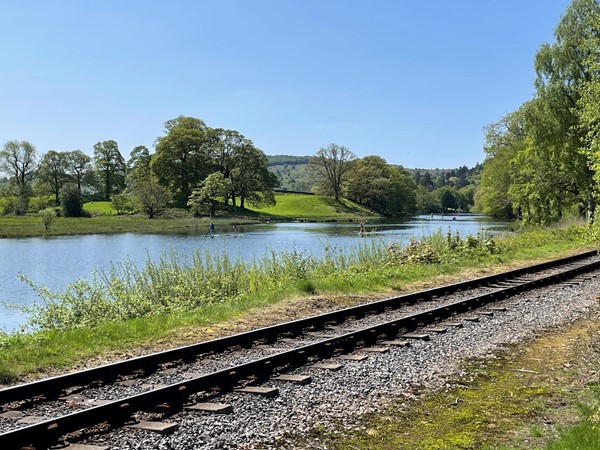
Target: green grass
(30, 226)
(314, 207)
(100, 208)
(105, 220)
(164, 299)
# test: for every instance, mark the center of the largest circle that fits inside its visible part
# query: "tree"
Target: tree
(181, 159)
(109, 163)
(427, 201)
(70, 201)
(79, 164)
(53, 172)
(403, 195)
(503, 140)
(251, 181)
(120, 202)
(153, 197)
(18, 160)
(383, 187)
(447, 199)
(329, 167)
(358, 184)
(563, 70)
(138, 166)
(215, 186)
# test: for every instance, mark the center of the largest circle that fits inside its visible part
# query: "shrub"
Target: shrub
(8, 205)
(71, 201)
(41, 202)
(48, 215)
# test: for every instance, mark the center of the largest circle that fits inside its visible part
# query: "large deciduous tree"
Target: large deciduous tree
(79, 164)
(503, 140)
(181, 159)
(110, 165)
(329, 167)
(138, 166)
(563, 69)
(383, 187)
(53, 172)
(18, 160)
(238, 160)
(251, 181)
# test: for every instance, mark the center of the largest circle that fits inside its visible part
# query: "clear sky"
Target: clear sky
(412, 81)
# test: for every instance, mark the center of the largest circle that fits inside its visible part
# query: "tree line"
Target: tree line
(193, 165)
(388, 188)
(202, 168)
(543, 160)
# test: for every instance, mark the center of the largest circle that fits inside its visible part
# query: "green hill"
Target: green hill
(291, 171)
(313, 207)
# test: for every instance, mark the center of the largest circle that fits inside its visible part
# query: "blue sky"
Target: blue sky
(413, 82)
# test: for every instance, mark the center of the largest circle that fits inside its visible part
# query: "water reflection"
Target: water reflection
(56, 262)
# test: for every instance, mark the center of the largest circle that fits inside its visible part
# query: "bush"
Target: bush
(41, 202)
(8, 205)
(71, 201)
(48, 215)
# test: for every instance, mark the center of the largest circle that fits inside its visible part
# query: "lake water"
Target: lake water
(56, 262)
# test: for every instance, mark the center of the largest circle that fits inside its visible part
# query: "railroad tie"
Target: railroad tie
(375, 349)
(258, 390)
(300, 379)
(87, 447)
(162, 428)
(396, 343)
(435, 330)
(352, 357)
(327, 366)
(214, 408)
(419, 336)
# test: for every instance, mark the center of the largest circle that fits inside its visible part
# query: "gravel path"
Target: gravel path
(339, 398)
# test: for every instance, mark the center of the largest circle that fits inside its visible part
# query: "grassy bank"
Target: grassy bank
(105, 220)
(167, 302)
(314, 207)
(31, 226)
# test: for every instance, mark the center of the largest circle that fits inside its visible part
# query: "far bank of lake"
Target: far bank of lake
(55, 262)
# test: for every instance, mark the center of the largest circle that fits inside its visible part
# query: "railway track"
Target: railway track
(29, 409)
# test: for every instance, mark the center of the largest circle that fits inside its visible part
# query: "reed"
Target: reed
(174, 284)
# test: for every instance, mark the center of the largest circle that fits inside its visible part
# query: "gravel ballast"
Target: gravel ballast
(337, 399)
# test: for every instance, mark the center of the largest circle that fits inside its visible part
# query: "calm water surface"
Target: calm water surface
(56, 262)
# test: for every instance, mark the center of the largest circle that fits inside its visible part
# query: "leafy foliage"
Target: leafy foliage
(70, 201)
(541, 162)
(170, 285)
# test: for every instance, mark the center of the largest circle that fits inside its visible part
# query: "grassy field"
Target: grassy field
(105, 219)
(100, 208)
(313, 207)
(30, 226)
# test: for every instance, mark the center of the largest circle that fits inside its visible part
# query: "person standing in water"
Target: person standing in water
(211, 229)
(234, 229)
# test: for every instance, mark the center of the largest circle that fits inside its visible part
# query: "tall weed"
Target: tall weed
(171, 284)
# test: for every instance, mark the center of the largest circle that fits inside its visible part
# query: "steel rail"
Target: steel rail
(49, 432)
(53, 387)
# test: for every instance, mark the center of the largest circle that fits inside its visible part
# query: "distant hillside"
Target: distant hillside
(293, 175)
(291, 172)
